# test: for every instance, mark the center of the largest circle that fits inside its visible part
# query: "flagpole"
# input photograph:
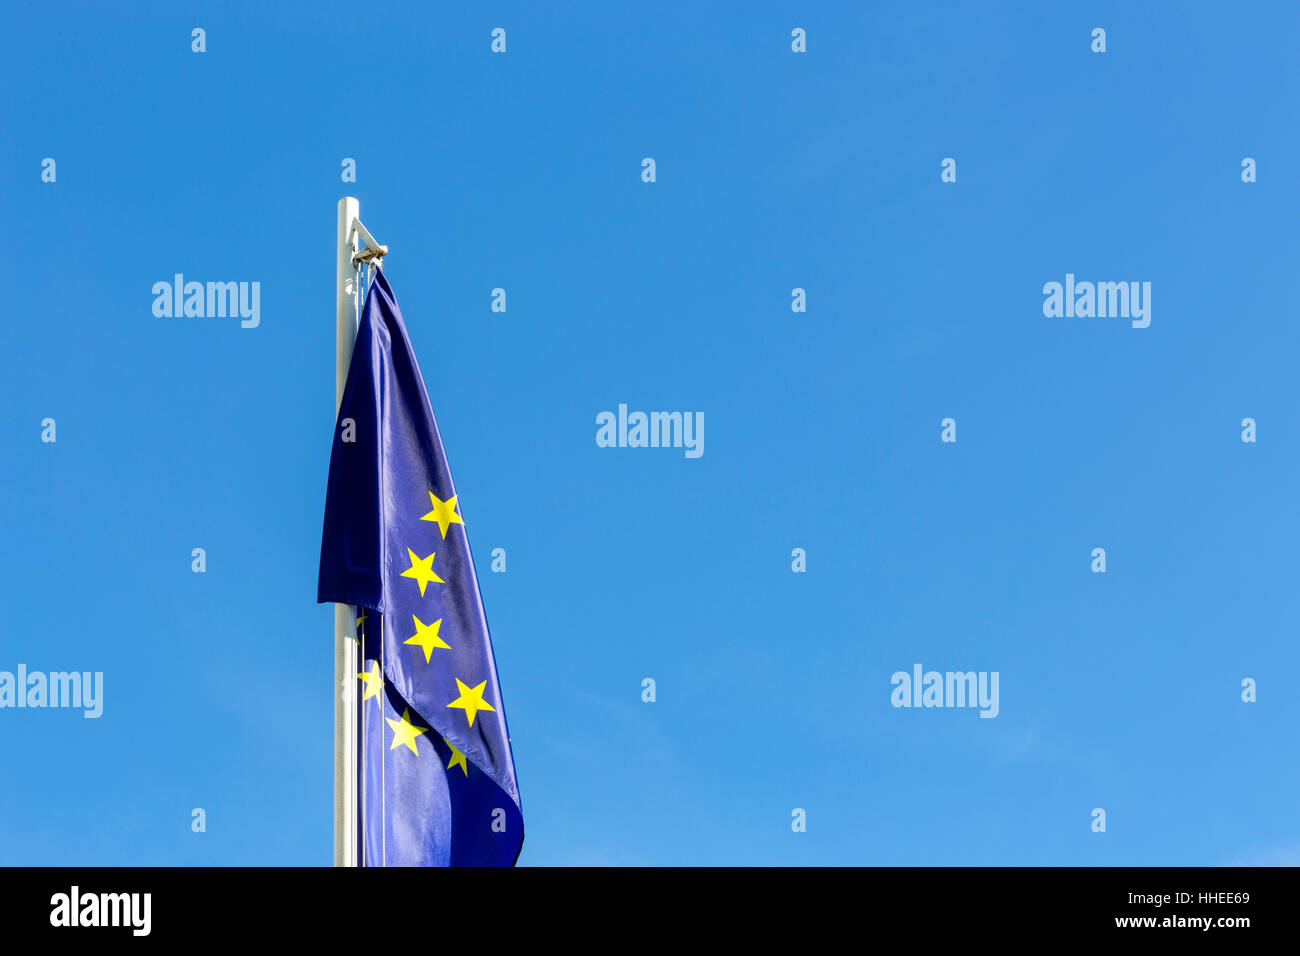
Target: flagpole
(345, 644)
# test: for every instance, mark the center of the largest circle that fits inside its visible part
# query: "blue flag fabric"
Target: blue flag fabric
(437, 777)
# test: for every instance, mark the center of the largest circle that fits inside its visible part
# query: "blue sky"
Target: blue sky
(775, 170)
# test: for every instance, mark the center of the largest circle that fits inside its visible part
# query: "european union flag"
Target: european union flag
(437, 778)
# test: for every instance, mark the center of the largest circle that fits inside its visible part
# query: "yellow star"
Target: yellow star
(421, 570)
(405, 732)
(374, 681)
(426, 636)
(444, 512)
(471, 701)
(456, 757)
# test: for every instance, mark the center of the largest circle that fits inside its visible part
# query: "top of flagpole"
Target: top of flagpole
(368, 250)
(346, 290)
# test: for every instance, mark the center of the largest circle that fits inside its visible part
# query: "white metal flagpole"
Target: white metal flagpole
(345, 636)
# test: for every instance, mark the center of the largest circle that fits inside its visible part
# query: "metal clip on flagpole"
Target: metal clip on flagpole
(372, 253)
(352, 256)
